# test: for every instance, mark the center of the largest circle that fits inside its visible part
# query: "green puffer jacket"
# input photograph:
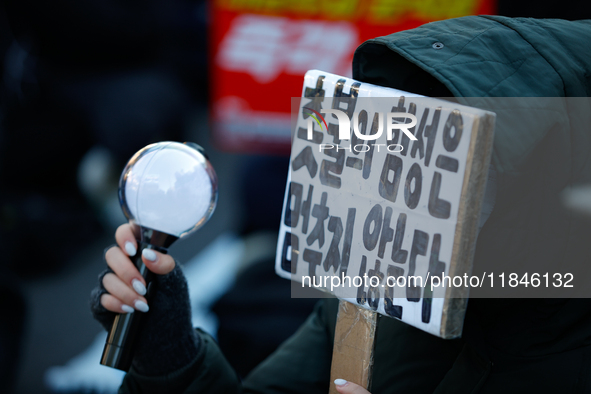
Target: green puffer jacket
(509, 346)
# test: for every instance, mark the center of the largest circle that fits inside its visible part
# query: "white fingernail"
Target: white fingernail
(149, 254)
(138, 287)
(141, 306)
(130, 249)
(126, 309)
(340, 382)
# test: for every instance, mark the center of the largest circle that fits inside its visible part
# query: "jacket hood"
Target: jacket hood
(480, 57)
(526, 71)
(486, 56)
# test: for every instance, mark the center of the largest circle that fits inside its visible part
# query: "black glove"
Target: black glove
(167, 341)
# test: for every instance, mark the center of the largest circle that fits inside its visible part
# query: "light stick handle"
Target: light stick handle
(121, 342)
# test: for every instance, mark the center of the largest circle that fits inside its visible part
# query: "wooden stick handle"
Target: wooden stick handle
(352, 356)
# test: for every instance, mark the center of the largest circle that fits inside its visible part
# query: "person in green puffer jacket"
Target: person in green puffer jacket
(508, 345)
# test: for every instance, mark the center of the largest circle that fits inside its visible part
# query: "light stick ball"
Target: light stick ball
(167, 190)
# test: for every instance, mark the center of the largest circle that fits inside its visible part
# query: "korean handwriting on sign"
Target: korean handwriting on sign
(377, 233)
(319, 214)
(326, 229)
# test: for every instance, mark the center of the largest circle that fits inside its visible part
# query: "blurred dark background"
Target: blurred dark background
(84, 85)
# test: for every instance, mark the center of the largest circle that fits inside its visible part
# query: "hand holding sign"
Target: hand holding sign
(344, 387)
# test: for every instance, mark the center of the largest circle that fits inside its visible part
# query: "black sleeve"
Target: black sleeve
(300, 365)
(208, 373)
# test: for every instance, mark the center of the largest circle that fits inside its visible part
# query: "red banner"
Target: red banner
(261, 49)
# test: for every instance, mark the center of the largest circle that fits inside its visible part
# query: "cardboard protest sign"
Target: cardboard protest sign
(383, 199)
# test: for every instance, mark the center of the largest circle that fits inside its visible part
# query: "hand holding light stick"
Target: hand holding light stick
(167, 190)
